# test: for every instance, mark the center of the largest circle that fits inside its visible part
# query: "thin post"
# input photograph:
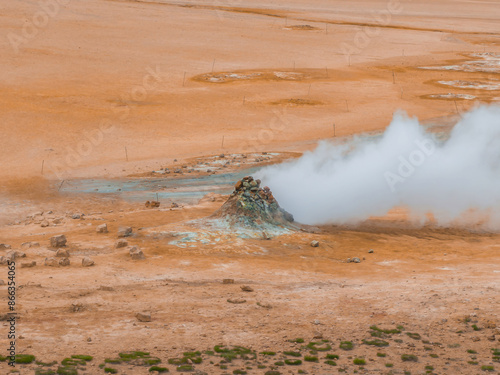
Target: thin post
(43, 162)
(334, 130)
(213, 65)
(393, 77)
(222, 145)
(456, 107)
(60, 186)
(126, 153)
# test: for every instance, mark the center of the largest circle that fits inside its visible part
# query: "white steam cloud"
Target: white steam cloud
(406, 166)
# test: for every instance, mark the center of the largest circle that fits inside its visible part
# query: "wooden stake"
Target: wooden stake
(334, 129)
(222, 145)
(126, 153)
(456, 107)
(43, 162)
(60, 186)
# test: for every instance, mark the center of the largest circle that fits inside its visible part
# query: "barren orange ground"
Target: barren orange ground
(117, 88)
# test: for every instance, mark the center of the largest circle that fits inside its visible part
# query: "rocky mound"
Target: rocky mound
(253, 207)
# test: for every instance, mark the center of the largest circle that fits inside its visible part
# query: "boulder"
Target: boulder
(14, 254)
(124, 232)
(143, 316)
(62, 253)
(314, 243)
(64, 262)
(136, 253)
(121, 243)
(51, 262)
(103, 228)
(87, 262)
(28, 264)
(58, 241)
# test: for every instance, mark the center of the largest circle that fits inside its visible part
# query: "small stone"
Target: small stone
(51, 262)
(3, 260)
(28, 264)
(2, 282)
(317, 335)
(491, 338)
(174, 205)
(121, 243)
(370, 251)
(4, 246)
(64, 262)
(15, 254)
(348, 260)
(106, 288)
(228, 281)
(87, 262)
(58, 241)
(316, 322)
(57, 221)
(314, 243)
(62, 253)
(246, 288)
(124, 232)
(356, 260)
(136, 253)
(27, 245)
(236, 301)
(76, 216)
(476, 338)
(143, 317)
(103, 228)
(44, 224)
(89, 339)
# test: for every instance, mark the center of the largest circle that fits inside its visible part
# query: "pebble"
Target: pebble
(246, 288)
(356, 260)
(370, 251)
(103, 228)
(143, 316)
(62, 253)
(121, 243)
(136, 253)
(58, 241)
(314, 243)
(124, 232)
(87, 262)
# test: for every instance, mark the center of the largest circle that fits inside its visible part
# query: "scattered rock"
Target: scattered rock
(76, 216)
(228, 281)
(77, 307)
(236, 300)
(317, 335)
(27, 245)
(44, 224)
(87, 262)
(103, 228)
(476, 338)
(348, 260)
(143, 317)
(136, 253)
(2, 282)
(28, 264)
(51, 262)
(15, 254)
(264, 305)
(62, 253)
(152, 204)
(174, 205)
(356, 260)
(58, 241)
(106, 288)
(246, 288)
(121, 243)
(4, 246)
(124, 232)
(3, 260)
(370, 251)
(314, 243)
(57, 221)
(64, 262)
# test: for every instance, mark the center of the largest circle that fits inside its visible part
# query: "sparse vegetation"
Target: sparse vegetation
(376, 342)
(158, 369)
(293, 362)
(24, 358)
(359, 361)
(409, 358)
(488, 368)
(414, 336)
(346, 345)
(311, 358)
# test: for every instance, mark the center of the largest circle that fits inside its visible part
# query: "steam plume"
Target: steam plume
(406, 166)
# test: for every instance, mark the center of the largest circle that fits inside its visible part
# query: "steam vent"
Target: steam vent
(253, 207)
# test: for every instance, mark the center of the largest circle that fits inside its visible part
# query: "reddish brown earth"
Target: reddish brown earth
(120, 88)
